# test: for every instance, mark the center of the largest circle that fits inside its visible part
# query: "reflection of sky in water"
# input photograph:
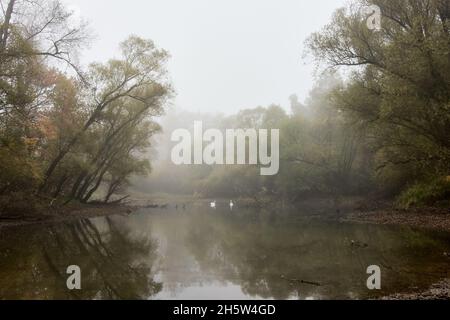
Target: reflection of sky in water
(180, 272)
(210, 291)
(216, 254)
(213, 291)
(204, 254)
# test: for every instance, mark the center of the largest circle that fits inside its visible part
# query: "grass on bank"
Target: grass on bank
(430, 193)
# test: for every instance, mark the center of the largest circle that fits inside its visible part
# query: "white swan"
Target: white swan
(231, 205)
(213, 204)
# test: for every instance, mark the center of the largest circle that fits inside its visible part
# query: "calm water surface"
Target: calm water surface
(202, 253)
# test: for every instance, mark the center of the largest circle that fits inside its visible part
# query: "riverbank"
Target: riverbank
(65, 213)
(349, 210)
(438, 291)
(431, 218)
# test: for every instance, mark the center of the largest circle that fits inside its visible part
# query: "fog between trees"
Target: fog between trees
(377, 121)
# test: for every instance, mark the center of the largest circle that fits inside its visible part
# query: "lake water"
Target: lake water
(201, 253)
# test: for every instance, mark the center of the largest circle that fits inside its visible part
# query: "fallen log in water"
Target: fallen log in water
(302, 281)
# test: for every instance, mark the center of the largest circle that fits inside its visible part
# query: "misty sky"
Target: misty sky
(226, 55)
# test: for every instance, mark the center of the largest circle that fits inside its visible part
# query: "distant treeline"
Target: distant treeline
(382, 130)
(65, 130)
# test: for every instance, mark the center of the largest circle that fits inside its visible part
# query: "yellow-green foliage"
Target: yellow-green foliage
(425, 193)
(18, 170)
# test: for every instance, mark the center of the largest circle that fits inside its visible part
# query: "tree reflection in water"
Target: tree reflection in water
(114, 264)
(243, 254)
(269, 256)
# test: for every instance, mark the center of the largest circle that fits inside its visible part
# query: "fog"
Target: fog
(225, 55)
(233, 180)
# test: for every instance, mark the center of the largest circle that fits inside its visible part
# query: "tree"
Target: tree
(138, 77)
(400, 86)
(33, 35)
(64, 132)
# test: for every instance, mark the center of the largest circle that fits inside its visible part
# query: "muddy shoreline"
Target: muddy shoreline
(438, 291)
(64, 214)
(437, 219)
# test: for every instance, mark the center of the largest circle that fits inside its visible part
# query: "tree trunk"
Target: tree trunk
(95, 187)
(4, 29)
(60, 185)
(61, 155)
(112, 188)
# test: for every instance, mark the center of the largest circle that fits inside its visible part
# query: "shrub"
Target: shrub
(425, 193)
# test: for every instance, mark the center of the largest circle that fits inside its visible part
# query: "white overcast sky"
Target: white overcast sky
(226, 55)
